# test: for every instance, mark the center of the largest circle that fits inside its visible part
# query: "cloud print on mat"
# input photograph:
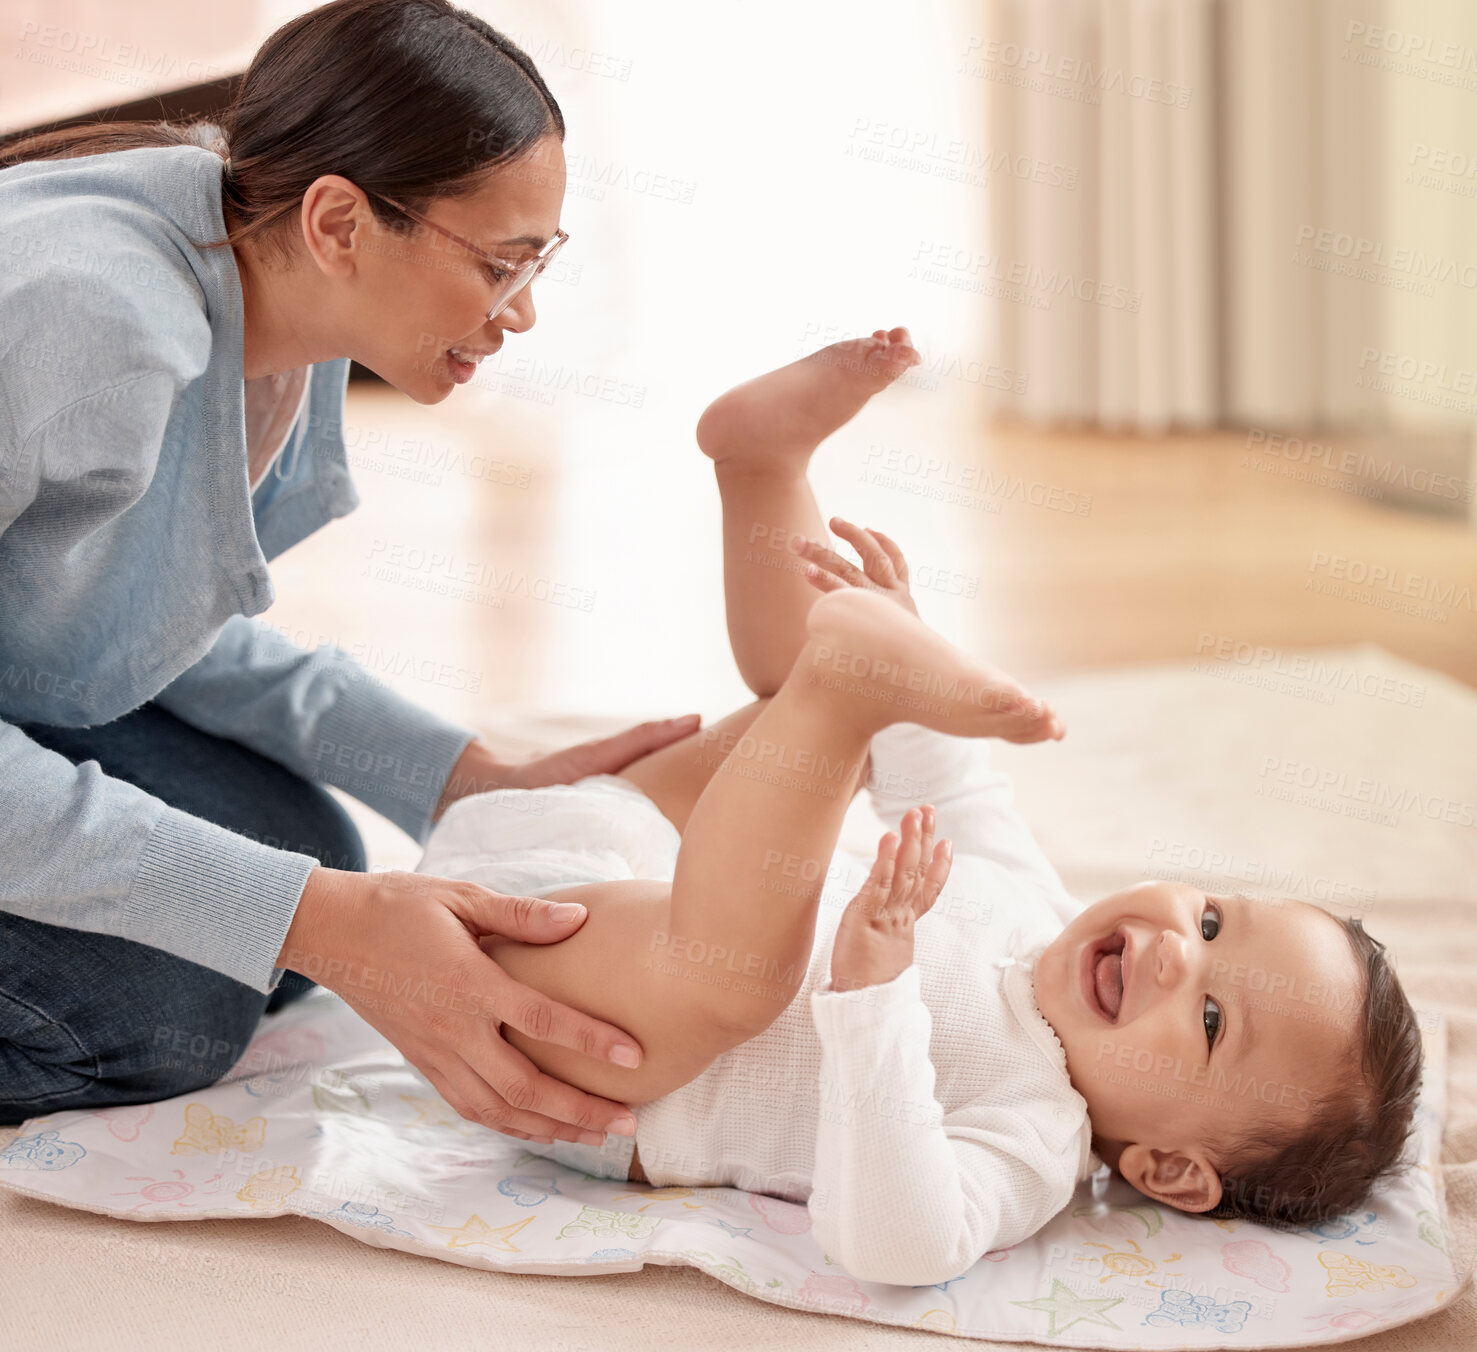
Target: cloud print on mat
(784, 1218)
(1252, 1259)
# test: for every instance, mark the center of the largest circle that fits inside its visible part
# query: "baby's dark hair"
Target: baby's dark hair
(1359, 1129)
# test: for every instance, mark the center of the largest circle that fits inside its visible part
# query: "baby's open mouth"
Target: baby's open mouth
(1105, 975)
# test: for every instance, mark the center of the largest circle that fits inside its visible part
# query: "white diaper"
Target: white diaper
(599, 829)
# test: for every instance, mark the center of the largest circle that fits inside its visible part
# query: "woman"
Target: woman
(181, 308)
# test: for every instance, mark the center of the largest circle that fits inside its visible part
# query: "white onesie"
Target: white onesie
(922, 1122)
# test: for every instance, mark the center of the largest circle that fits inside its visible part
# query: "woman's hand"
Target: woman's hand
(874, 941)
(884, 569)
(402, 951)
(479, 769)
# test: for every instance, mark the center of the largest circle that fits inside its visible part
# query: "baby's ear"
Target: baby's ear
(1185, 1180)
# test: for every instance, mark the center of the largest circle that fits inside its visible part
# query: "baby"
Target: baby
(971, 1043)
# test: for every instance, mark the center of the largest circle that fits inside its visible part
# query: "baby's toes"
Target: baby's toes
(892, 359)
(1028, 719)
(1042, 725)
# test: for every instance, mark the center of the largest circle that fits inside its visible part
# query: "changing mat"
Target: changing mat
(323, 1118)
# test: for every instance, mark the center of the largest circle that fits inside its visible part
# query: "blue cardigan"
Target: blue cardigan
(133, 555)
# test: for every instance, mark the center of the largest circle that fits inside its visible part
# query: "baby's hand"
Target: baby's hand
(874, 941)
(883, 567)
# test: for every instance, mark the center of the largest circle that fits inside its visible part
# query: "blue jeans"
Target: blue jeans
(90, 1020)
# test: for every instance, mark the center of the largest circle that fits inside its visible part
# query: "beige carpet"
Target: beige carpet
(1162, 768)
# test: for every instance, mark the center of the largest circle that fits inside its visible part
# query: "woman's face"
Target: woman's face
(422, 294)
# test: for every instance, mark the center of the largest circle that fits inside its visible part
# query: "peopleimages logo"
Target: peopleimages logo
(1383, 577)
(1360, 789)
(1423, 371)
(1328, 676)
(1381, 473)
(1360, 251)
(1038, 64)
(1399, 42)
(1211, 867)
(965, 268)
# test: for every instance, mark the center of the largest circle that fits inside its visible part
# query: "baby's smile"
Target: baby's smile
(1104, 971)
(1191, 1019)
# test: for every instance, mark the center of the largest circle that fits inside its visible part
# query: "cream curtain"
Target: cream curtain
(1245, 212)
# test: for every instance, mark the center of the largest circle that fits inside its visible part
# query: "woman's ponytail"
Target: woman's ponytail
(413, 99)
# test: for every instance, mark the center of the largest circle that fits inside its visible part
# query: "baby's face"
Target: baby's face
(1188, 1017)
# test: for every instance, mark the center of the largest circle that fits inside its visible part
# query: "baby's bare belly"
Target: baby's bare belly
(636, 1173)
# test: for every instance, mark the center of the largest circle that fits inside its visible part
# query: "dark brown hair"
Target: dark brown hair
(1359, 1129)
(412, 98)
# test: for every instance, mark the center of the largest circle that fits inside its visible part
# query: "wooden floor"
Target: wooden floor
(1194, 543)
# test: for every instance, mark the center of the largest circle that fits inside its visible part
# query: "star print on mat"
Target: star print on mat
(1066, 1306)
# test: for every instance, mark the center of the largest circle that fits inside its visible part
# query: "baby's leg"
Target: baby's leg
(675, 776)
(693, 968)
(761, 435)
(776, 804)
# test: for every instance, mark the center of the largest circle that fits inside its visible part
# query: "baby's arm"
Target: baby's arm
(900, 1194)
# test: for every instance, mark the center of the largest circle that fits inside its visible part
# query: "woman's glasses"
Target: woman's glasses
(509, 278)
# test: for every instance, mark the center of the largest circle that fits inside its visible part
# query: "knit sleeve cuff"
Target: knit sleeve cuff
(217, 898)
(388, 752)
(841, 1012)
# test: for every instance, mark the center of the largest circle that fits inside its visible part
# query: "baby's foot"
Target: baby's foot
(893, 668)
(788, 412)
